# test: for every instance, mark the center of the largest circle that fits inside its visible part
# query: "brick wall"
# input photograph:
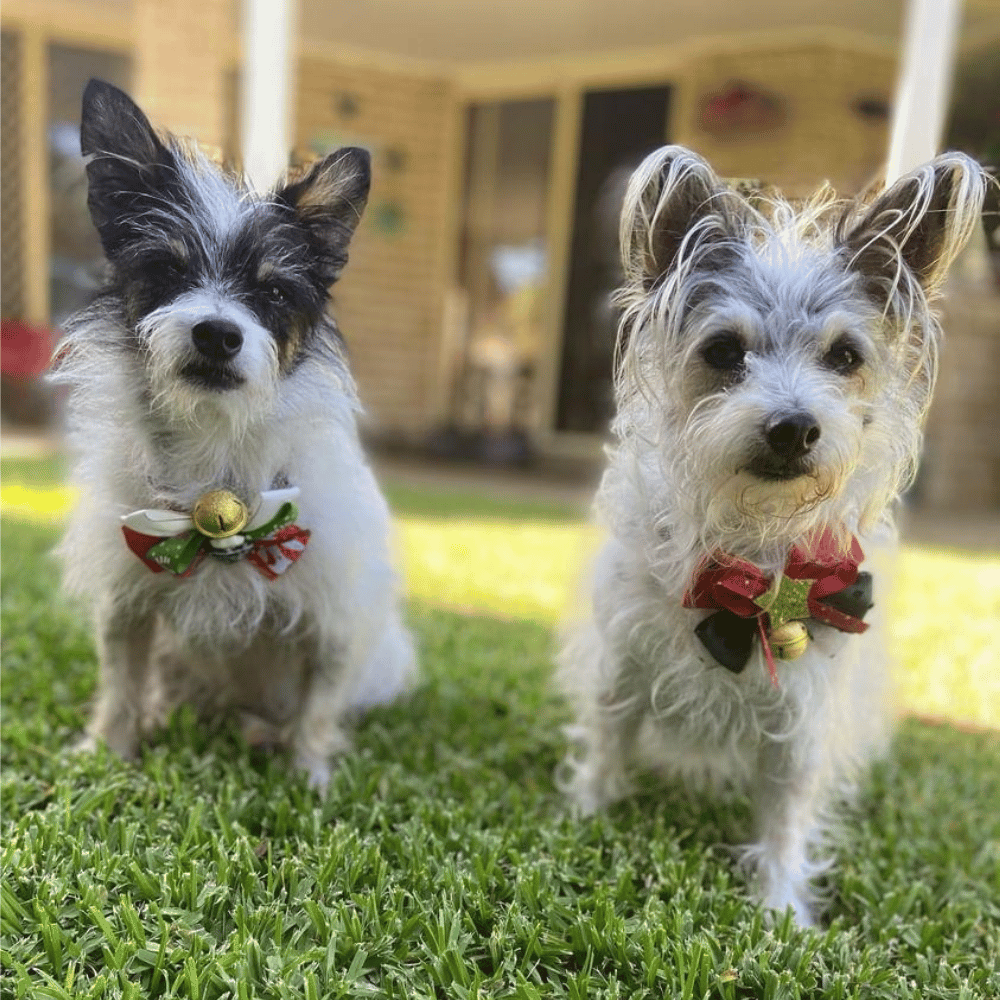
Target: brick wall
(181, 59)
(961, 467)
(821, 138)
(389, 303)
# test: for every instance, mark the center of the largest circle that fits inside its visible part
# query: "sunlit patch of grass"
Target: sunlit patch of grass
(945, 634)
(521, 569)
(32, 489)
(514, 559)
(30, 503)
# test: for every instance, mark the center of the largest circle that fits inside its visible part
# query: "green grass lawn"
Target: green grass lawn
(442, 863)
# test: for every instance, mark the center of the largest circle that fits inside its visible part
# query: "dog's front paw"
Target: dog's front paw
(121, 741)
(313, 749)
(782, 886)
(86, 744)
(779, 901)
(588, 802)
(261, 733)
(317, 770)
(592, 785)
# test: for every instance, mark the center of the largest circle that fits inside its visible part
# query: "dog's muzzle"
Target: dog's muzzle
(789, 438)
(217, 342)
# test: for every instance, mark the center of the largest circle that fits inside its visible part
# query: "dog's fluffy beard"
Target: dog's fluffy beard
(710, 442)
(177, 400)
(774, 370)
(209, 362)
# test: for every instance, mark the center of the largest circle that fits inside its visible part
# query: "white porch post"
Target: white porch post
(924, 84)
(266, 120)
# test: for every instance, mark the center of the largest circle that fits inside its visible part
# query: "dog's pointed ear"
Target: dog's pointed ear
(674, 201)
(127, 164)
(329, 202)
(921, 222)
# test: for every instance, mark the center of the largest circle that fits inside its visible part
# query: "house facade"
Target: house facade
(476, 301)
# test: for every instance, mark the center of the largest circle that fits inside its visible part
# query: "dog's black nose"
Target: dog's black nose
(217, 339)
(792, 435)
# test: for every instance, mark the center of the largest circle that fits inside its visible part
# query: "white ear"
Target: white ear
(672, 197)
(922, 222)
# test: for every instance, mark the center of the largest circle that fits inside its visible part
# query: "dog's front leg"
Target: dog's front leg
(124, 641)
(789, 802)
(599, 776)
(596, 774)
(319, 734)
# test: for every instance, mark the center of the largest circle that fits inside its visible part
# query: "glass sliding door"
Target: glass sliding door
(618, 129)
(499, 306)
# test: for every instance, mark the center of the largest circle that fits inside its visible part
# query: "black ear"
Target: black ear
(922, 222)
(328, 203)
(673, 196)
(128, 163)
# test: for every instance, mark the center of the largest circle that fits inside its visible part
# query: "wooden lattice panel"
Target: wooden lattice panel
(11, 188)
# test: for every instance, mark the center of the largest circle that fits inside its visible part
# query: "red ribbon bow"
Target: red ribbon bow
(272, 555)
(727, 583)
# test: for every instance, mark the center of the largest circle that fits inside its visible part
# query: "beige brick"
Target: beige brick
(962, 453)
(389, 302)
(180, 58)
(821, 138)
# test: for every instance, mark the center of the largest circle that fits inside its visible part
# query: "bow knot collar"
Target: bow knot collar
(821, 583)
(222, 526)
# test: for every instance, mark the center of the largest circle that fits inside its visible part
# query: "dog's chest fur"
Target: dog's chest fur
(699, 721)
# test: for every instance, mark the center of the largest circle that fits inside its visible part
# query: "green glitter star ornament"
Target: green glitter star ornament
(787, 604)
(786, 601)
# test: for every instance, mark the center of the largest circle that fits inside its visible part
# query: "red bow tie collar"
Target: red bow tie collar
(824, 586)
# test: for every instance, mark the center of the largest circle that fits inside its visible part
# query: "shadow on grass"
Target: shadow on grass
(40, 472)
(448, 504)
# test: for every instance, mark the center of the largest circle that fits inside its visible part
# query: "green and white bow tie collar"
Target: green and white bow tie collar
(222, 526)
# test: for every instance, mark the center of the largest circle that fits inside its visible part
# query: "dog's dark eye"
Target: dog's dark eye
(843, 357)
(275, 295)
(724, 353)
(172, 266)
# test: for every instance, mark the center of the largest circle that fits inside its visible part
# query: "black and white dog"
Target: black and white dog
(230, 534)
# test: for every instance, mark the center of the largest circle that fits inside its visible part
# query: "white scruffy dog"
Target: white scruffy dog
(230, 534)
(775, 368)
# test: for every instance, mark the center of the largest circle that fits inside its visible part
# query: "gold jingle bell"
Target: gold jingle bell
(219, 514)
(789, 640)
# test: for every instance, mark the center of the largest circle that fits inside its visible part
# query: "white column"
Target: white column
(924, 84)
(267, 88)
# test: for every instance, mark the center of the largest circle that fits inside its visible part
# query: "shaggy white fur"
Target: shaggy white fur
(297, 655)
(738, 319)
